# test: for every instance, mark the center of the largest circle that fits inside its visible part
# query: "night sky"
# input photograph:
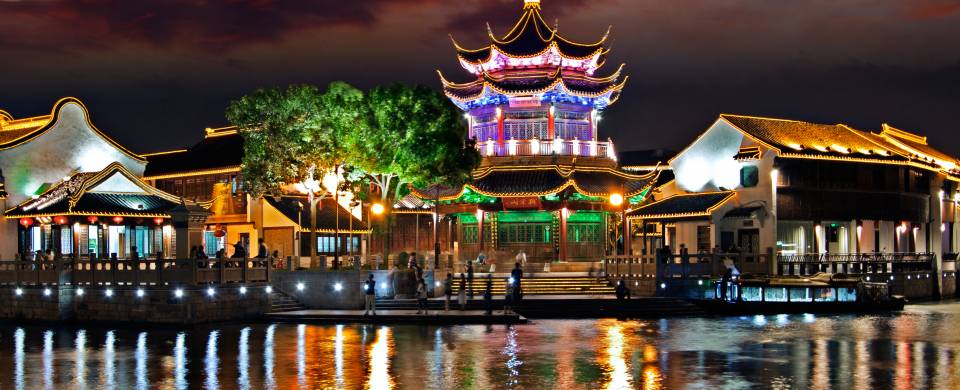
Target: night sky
(155, 73)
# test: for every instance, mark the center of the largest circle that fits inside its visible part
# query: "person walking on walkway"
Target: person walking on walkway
(422, 297)
(488, 295)
(462, 294)
(448, 291)
(470, 278)
(622, 291)
(370, 296)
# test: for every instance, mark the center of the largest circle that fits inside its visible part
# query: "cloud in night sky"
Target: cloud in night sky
(155, 73)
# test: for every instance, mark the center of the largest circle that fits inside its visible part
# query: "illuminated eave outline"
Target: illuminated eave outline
(164, 153)
(558, 83)
(55, 116)
(176, 175)
(709, 211)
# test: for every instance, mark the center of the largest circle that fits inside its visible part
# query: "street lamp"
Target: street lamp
(377, 209)
(616, 200)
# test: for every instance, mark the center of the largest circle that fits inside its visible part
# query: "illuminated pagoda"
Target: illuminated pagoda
(546, 185)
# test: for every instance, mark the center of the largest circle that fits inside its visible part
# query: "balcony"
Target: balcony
(558, 147)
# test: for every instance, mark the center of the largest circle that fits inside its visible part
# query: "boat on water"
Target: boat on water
(820, 293)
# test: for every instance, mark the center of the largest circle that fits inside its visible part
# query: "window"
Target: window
(584, 232)
(703, 238)
(749, 176)
(524, 130)
(800, 294)
(93, 239)
(212, 244)
(469, 235)
(524, 233)
(66, 241)
(846, 294)
(36, 239)
(141, 240)
(775, 294)
(751, 294)
(824, 295)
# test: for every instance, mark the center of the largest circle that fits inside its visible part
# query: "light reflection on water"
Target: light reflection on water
(915, 349)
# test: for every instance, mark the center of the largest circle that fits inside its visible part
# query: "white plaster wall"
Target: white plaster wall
(70, 145)
(867, 240)
(887, 232)
(696, 166)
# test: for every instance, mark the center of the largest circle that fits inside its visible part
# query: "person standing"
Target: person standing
(522, 258)
(422, 297)
(370, 296)
(488, 296)
(517, 275)
(622, 291)
(462, 295)
(470, 278)
(448, 291)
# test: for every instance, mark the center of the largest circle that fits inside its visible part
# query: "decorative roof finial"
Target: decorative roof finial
(531, 4)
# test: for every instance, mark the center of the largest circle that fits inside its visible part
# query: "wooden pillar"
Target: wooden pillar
(480, 215)
(500, 131)
(563, 232)
(551, 123)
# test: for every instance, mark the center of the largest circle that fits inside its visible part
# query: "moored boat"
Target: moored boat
(820, 293)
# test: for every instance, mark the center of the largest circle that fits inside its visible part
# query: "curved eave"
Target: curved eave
(558, 83)
(55, 117)
(12, 214)
(495, 49)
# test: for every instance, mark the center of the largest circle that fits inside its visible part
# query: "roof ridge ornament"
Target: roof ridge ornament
(531, 4)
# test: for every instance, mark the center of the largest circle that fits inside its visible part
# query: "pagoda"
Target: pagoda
(546, 185)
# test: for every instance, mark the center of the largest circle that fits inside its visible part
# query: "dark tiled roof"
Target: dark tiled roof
(742, 212)
(122, 203)
(57, 199)
(532, 35)
(212, 153)
(326, 214)
(681, 206)
(536, 82)
(545, 180)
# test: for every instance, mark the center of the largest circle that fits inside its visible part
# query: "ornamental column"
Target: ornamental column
(563, 232)
(551, 123)
(500, 136)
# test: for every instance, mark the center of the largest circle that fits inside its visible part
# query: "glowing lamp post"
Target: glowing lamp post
(616, 200)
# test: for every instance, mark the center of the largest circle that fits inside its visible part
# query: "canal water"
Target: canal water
(918, 348)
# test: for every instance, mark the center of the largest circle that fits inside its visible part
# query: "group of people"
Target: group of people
(198, 252)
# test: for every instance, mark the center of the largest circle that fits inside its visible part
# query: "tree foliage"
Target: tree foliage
(413, 135)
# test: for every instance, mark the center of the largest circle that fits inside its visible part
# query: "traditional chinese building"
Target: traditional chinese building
(545, 182)
(209, 172)
(800, 190)
(60, 174)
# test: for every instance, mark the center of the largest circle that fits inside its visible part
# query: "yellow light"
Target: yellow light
(616, 199)
(377, 209)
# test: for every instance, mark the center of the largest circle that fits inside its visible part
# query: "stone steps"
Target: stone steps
(280, 302)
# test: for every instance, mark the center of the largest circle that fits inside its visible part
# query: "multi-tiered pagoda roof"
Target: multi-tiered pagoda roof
(534, 59)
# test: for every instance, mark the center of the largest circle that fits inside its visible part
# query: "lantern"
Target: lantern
(61, 220)
(26, 221)
(92, 219)
(117, 220)
(158, 221)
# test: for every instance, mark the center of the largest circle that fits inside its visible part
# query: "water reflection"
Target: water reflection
(180, 361)
(18, 355)
(212, 362)
(143, 382)
(269, 380)
(380, 361)
(908, 350)
(243, 359)
(48, 359)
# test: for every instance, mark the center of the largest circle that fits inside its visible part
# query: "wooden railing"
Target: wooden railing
(854, 263)
(692, 265)
(560, 147)
(134, 271)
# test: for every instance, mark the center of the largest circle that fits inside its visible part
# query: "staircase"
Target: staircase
(544, 285)
(280, 302)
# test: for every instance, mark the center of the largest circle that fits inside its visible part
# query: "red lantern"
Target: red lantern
(117, 220)
(158, 221)
(26, 221)
(92, 219)
(61, 220)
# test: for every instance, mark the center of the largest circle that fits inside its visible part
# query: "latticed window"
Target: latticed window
(469, 234)
(485, 131)
(523, 130)
(584, 232)
(524, 233)
(571, 130)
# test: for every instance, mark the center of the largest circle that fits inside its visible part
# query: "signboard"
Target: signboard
(527, 203)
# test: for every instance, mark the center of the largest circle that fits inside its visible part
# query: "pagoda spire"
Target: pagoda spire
(531, 4)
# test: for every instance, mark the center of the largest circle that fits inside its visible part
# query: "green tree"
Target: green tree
(295, 135)
(412, 135)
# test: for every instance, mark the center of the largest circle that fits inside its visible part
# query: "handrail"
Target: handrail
(136, 271)
(547, 147)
